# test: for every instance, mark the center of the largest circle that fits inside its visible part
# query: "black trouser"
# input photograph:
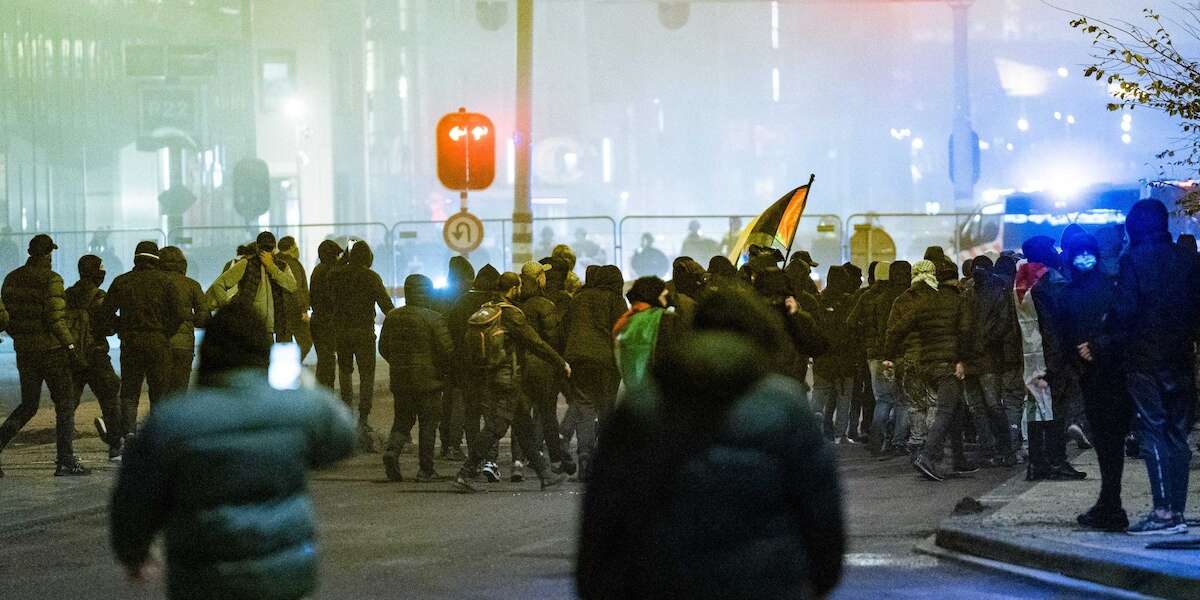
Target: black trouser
(415, 408)
(594, 387)
(475, 400)
(543, 395)
(325, 342)
(144, 357)
(453, 414)
(862, 401)
(181, 370)
(1109, 410)
(51, 367)
(505, 407)
(949, 403)
(102, 379)
(357, 346)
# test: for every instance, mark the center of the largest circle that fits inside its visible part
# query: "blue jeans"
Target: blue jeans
(889, 407)
(1165, 403)
(830, 397)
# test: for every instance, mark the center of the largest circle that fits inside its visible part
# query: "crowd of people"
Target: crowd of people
(685, 398)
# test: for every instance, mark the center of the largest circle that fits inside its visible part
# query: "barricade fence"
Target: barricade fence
(114, 246)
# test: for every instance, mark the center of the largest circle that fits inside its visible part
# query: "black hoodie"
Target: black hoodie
(321, 284)
(357, 290)
(481, 292)
(415, 341)
(460, 274)
(588, 326)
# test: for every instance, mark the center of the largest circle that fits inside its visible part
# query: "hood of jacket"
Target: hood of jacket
(418, 291)
(1147, 219)
(609, 278)
(900, 274)
(329, 251)
(171, 259)
(361, 255)
(460, 274)
(487, 279)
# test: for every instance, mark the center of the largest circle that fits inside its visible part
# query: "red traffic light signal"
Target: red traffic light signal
(466, 149)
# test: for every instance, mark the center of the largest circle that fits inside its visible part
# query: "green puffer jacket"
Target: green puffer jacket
(935, 317)
(37, 303)
(221, 471)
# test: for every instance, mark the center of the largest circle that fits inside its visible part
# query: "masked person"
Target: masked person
(259, 282)
(90, 328)
(297, 303)
(46, 351)
(144, 307)
(483, 290)
(500, 340)
(324, 333)
(992, 352)
(193, 304)
(644, 332)
(460, 274)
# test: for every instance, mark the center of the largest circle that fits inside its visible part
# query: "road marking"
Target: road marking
(906, 561)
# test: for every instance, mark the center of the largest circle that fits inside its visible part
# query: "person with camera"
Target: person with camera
(45, 350)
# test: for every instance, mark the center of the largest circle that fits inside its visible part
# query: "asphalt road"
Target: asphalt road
(409, 540)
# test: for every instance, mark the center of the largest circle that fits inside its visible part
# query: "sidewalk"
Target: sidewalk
(1033, 526)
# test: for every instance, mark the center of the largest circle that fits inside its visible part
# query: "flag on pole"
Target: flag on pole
(776, 226)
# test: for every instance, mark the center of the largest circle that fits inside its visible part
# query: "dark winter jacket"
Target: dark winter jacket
(3, 316)
(321, 285)
(460, 275)
(481, 292)
(878, 307)
(415, 342)
(1157, 294)
(990, 330)
(932, 318)
(298, 302)
(1087, 301)
(662, 517)
(221, 471)
(190, 298)
(524, 343)
(87, 296)
(835, 305)
(357, 290)
(594, 311)
(861, 322)
(143, 302)
(36, 304)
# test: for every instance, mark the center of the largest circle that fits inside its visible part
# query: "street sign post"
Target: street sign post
(463, 232)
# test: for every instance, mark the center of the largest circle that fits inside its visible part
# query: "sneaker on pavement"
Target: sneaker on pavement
(925, 467)
(845, 439)
(518, 472)
(115, 451)
(391, 467)
(70, 467)
(428, 477)
(964, 466)
(552, 480)
(1104, 519)
(1065, 472)
(101, 428)
(491, 471)
(1152, 524)
(1076, 433)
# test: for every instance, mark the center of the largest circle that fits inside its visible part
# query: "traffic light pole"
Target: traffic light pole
(522, 237)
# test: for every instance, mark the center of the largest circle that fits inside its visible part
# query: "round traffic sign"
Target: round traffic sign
(463, 232)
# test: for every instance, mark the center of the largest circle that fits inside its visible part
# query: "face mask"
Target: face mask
(1085, 262)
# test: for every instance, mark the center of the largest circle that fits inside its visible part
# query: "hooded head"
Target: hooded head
(565, 252)
(418, 291)
(945, 270)
(1071, 231)
(648, 290)
(235, 339)
(287, 246)
(773, 285)
(854, 275)
(688, 276)
(836, 280)
(1006, 267)
(329, 251)
(1082, 253)
(265, 242)
(924, 273)
(900, 274)
(459, 274)
(933, 253)
(981, 268)
(1111, 239)
(487, 279)
(361, 255)
(556, 277)
(172, 259)
(91, 268)
(1147, 219)
(145, 254)
(1040, 249)
(608, 277)
(1187, 244)
(720, 266)
(968, 267)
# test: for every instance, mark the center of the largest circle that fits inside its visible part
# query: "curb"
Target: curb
(1122, 571)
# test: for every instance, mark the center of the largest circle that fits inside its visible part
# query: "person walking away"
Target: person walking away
(193, 304)
(644, 332)
(687, 282)
(459, 277)
(46, 351)
(588, 327)
(483, 290)
(661, 516)
(324, 333)
(90, 329)
(357, 290)
(1048, 300)
(220, 471)
(889, 421)
(1088, 298)
(416, 345)
(542, 381)
(990, 329)
(296, 303)
(143, 307)
(804, 338)
(833, 373)
(1156, 316)
(260, 282)
(498, 342)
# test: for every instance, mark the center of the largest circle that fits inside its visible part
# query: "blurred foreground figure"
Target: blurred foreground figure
(221, 471)
(720, 485)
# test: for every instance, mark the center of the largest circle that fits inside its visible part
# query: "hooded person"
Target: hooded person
(1155, 316)
(804, 337)
(90, 328)
(643, 332)
(541, 381)
(296, 304)
(193, 305)
(687, 282)
(935, 254)
(143, 306)
(587, 329)
(259, 281)
(1047, 296)
(357, 292)
(416, 344)
(721, 273)
(571, 284)
(225, 459)
(718, 408)
(324, 332)
(890, 405)
(464, 418)
(862, 401)
(460, 275)
(833, 372)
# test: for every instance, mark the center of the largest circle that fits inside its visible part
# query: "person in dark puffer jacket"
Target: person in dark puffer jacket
(720, 486)
(220, 472)
(833, 373)
(324, 333)
(589, 349)
(872, 316)
(98, 374)
(991, 332)
(542, 380)
(482, 291)
(194, 305)
(416, 345)
(460, 274)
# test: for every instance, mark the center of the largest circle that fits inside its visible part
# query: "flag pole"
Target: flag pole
(788, 256)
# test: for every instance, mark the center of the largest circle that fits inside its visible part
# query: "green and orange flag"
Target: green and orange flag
(776, 226)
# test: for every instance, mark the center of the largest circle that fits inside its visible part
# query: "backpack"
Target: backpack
(486, 340)
(78, 318)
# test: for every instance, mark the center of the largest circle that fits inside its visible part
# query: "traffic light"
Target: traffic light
(251, 188)
(466, 148)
